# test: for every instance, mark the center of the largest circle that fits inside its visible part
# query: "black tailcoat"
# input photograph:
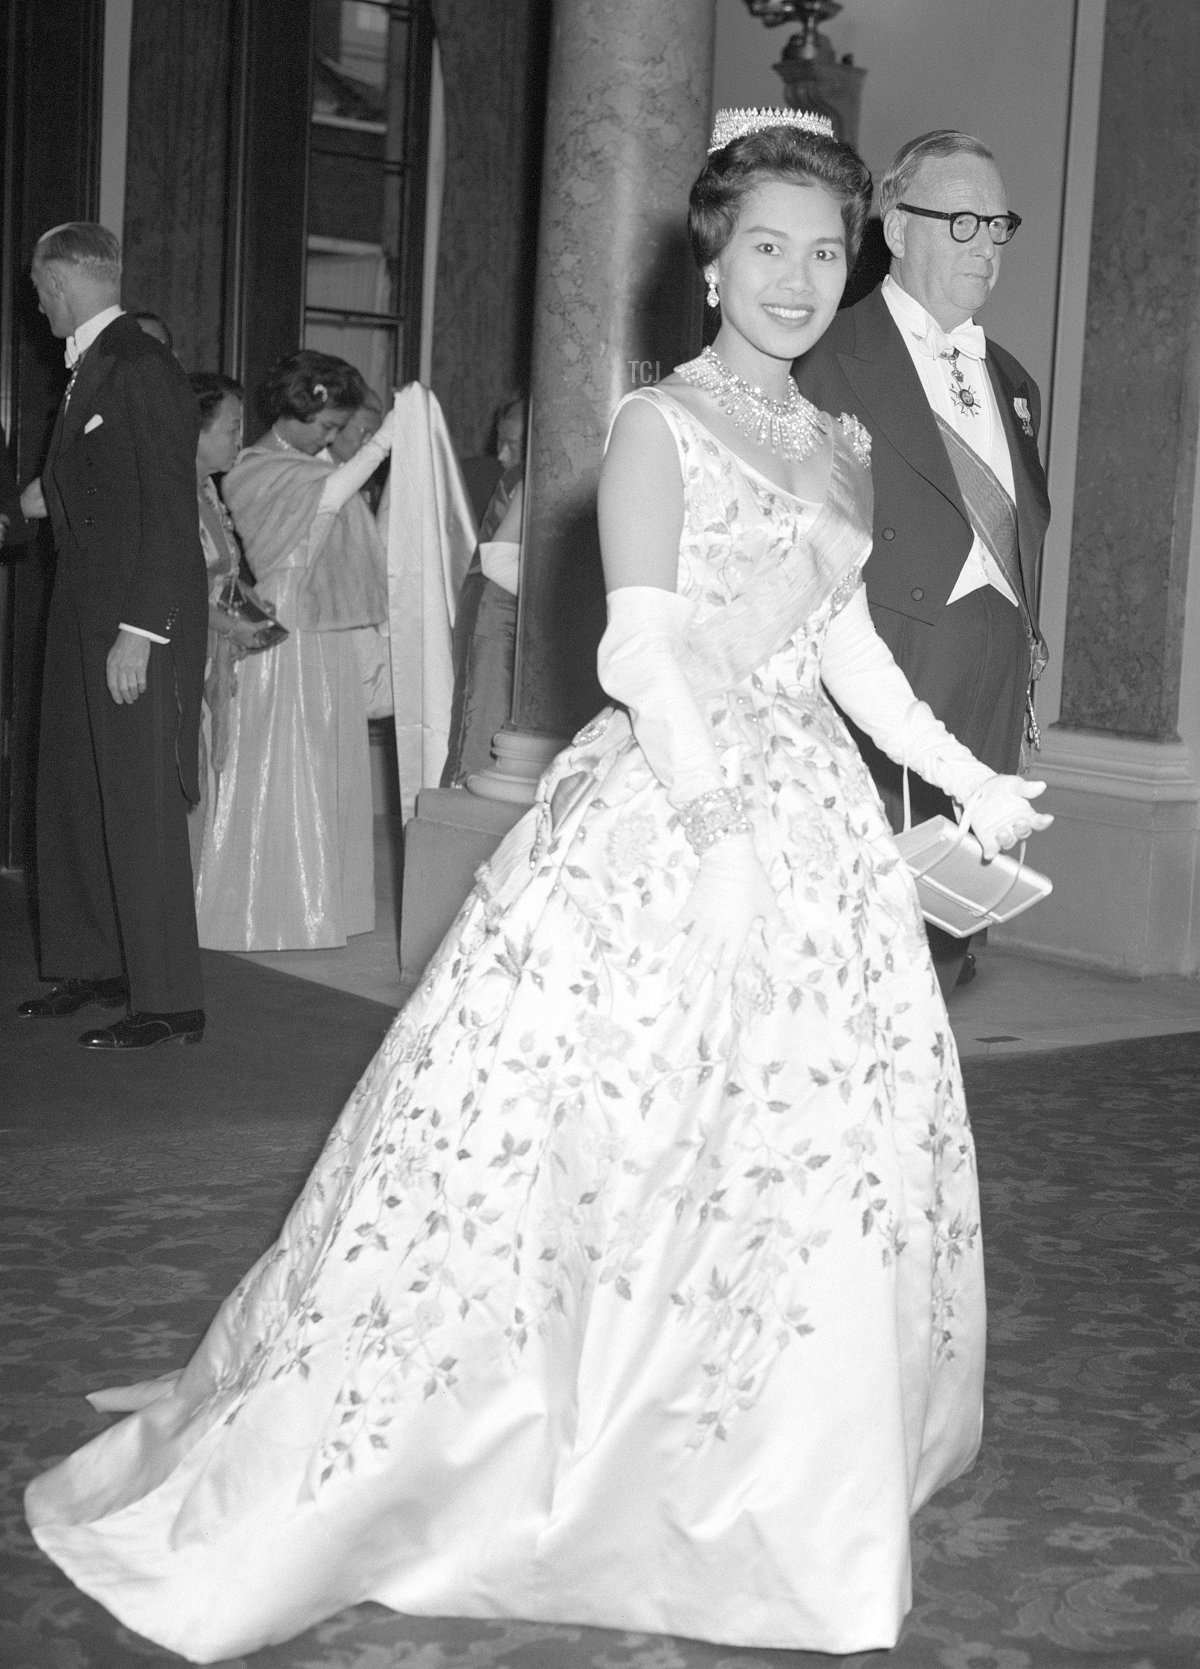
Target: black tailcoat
(115, 780)
(969, 660)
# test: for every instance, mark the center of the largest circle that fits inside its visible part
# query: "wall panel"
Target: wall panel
(175, 182)
(494, 59)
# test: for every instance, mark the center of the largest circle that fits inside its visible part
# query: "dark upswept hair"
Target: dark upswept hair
(210, 388)
(81, 243)
(774, 153)
(902, 170)
(305, 383)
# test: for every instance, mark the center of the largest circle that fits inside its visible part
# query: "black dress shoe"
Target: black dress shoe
(143, 1031)
(72, 994)
(968, 970)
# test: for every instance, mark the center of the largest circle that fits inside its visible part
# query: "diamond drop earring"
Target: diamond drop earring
(714, 299)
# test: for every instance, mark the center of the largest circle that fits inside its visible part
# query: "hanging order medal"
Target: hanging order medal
(961, 393)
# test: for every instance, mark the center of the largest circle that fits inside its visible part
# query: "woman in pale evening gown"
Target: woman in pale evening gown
(287, 859)
(640, 1284)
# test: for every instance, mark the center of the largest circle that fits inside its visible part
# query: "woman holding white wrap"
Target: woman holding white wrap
(288, 858)
(640, 1284)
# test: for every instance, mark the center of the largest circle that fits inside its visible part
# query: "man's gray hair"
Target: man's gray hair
(81, 243)
(942, 142)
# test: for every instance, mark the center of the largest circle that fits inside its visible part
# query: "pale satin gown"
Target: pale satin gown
(287, 856)
(599, 1308)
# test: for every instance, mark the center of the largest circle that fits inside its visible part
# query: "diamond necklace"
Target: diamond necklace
(790, 428)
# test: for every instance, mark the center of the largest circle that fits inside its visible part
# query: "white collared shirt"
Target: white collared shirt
(87, 332)
(982, 431)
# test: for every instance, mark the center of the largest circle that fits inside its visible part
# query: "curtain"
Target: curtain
(179, 75)
(494, 60)
(429, 531)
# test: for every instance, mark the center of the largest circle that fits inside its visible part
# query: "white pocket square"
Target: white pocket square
(92, 423)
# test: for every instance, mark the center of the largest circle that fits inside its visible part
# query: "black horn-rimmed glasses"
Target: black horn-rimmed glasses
(964, 224)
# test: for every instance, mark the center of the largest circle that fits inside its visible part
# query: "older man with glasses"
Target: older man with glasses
(961, 506)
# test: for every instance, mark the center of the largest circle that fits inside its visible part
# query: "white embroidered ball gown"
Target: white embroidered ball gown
(598, 1308)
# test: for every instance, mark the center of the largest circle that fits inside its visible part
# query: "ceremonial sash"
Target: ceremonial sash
(993, 517)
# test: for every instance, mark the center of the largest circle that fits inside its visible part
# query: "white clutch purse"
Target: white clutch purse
(958, 888)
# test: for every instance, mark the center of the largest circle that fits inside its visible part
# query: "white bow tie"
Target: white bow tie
(967, 338)
(71, 351)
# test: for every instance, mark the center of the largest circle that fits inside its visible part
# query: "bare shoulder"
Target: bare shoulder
(687, 395)
(640, 500)
(640, 428)
(641, 462)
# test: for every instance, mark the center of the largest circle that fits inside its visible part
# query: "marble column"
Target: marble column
(1138, 419)
(1122, 759)
(617, 303)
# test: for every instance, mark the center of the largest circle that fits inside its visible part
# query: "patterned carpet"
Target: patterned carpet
(135, 1192)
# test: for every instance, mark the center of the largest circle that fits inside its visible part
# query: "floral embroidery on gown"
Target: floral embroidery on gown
(598, 1308)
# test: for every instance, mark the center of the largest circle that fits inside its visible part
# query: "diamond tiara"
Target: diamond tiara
(729, 125)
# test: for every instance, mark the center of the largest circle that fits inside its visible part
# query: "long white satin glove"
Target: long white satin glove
(1000, 815)
(860, 674)
(731, 895)
(638, 664)
(347, 478)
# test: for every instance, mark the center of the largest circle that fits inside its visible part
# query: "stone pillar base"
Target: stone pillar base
(520, 758)
(451, 834)
(1123, 853)
(457, 829)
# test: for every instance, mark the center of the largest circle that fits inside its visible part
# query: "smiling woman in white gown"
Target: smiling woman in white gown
(640, 1282)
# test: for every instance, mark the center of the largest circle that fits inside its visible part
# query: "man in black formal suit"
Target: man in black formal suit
(961, 505)
(118, 754)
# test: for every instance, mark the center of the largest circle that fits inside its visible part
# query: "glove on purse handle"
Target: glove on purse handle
(958, 888)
